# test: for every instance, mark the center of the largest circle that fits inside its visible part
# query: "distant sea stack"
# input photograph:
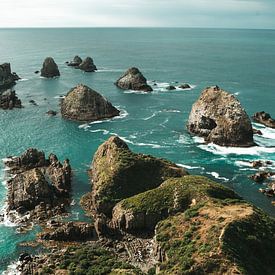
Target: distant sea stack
(50, 68)
(87, 65)
(7, 78)
(133, 79)
(218, 117)
(75, 62)
(84, 104)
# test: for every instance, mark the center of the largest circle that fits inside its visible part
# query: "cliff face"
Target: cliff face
(219, 117)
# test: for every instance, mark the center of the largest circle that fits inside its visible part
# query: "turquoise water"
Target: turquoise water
(240, 61)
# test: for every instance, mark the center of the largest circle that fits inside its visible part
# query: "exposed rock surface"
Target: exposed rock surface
(75, 62)
(87, 65)
(84, 104)
(265, 119)
(133, 79)
(7, 78)
(170, 88)
(185, 86)
(39, 187)
(9, 100)
(50, 68)
(118, 173)
(68, 232)
(219, 117)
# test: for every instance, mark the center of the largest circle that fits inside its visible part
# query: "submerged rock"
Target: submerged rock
(39, 187)
(87, 65)
(133, 79)
(7, 78)
(50, 68)
(9, 100)
(84, 104)
(51, 113)
(265, 119)
(75, 62)
(219, 117)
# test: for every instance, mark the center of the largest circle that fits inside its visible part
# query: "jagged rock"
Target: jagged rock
(50, 68)
(37, 72)
(265, 119)
(75, 62)
(7, 78)
(38, 186)
(84, 104)
(133, 79)
(70, 231)
(185, 86)
(170, 88)
(87, 65)
(9, 100)
(51, 113)
(262, 176)
(118, 173)
(219, 117)
(257, 132)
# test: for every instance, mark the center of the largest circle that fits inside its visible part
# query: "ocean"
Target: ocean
(239, 61)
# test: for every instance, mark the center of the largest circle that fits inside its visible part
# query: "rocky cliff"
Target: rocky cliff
(7, 78)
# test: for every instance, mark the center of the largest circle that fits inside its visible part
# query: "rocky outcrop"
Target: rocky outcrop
(218, 117)
(38, 186)
(265, 119)
(84, 104)
(50, 68)
(117, 173)
(170, 88)
(184, 86)
(9, 100)
(68, 232)
(75, 62)
(133, 79)
(7, 78)
(261, 176)
(87, 65)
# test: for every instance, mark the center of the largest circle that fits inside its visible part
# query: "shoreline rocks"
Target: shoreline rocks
(133, 79)
(265, 119)
(9, 100)
(7, 78)
(218, 117)
(50, 68)
(84, 104)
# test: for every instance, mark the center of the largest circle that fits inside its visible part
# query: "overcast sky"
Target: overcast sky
(131, 13)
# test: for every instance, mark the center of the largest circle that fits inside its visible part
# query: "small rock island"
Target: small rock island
(133, 79)
(50, 68)
(264, 118)
(84, 104)
(218, 117)
(7, 78)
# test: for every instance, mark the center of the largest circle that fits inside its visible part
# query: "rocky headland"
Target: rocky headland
(264, 118)
(49, 68)
(218, 117)
(133, 79)
(38, 188)
(84, 104)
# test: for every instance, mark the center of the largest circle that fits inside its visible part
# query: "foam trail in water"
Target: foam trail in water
(217, 176)
(190, 167)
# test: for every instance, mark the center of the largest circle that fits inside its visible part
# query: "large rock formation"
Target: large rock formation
(50, 68)
(87, 65)
(39, 187)
(9, 100)
(84, 104)
(75, 62)
(118, 173)
(133, 79)
(7, 78)
(219, 117)
(265, 119)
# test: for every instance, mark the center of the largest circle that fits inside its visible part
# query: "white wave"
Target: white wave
(12, 269)
(171, 111)
(105, 132)
(197, 139)
(183, 139)
(217, 176)
(190, 167)
(237, 93)
(152, 145)
(123, 113)
(220, 150)
(84, 126)
(268, 133)
(241, 163)
(149, 117)
(23, 79)
(136, 92)
(59, 96)
(105, 70)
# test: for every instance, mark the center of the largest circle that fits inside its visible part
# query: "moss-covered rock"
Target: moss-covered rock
(145, 210)
(118, 173)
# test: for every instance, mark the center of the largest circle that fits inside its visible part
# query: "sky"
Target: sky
(259, 14)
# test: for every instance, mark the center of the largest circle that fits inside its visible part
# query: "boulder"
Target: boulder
(51, 113)
(265, 119)
(7, 78)
(75, 62)
(185, 86)
(50, 68)
(133, 79)
(170, 88)
(87, 65)
(218, 117)
(9, 100)
(84, 104)
(118, 173)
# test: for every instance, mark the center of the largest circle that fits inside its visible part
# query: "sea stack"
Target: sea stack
(7, 78)
(218, 117)
(84, 104)
(50, 68)
(75, 62)
(9, 100)
(133, 79)
(87, 65)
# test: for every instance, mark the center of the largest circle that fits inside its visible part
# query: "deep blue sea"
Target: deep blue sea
(239, 61)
